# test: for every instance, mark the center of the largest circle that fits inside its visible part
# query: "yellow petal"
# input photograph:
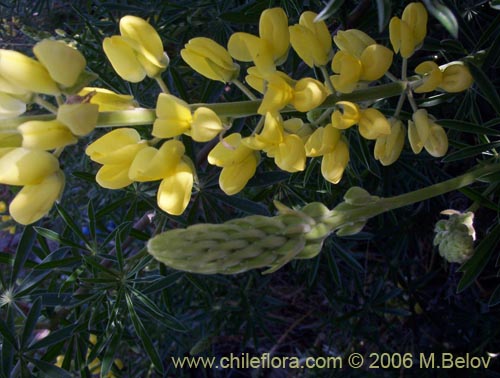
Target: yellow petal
(228, 152)
(123, 59)
(234, 178)
(23, 166)
(320, 31)
(388, 147)
(322, 141)
(10, 139)
(81, 119)
(313, 48)
(206, 125)
(456, 78)
(174, 192)
(64, 63)
(35, 201)
(415, 142)
(353, 41)
(291, 156)
(109, 148)
(26, 73)
(376, 60)
(273, 28)
(437, 143)
(174, 116)
(349, 68)
(209, 59)
(146, 41)
(373, 124)
(415, 16)
(10, 106)
(433, 76)
(308, 94)
(250, 48)
(395, 33)
(114, 176)
(349, 116)
(334, 163)
(107, 100)
(46, 135)
(278, 94)
(422, 124)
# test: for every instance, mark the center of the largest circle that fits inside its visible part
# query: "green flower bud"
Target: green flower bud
(455, 236)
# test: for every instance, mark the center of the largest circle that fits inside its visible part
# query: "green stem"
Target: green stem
(45, 104)
(162, 84)
(328, 82)
(239, 109)
(242, 87)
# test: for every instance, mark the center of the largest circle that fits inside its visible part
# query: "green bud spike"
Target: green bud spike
(455, 236)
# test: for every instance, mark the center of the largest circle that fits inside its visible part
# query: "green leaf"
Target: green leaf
(348, 258)
(50, 370)
(30, 323)
(444, 15)
(22, 252)
(54, 236)
(495, 297)
(240, 203)
(495, 4)
(163, 283)
(331, 8)
(143, 335)
(384, 11)
(470, 151)
(485, 85)
(71, 223)
(109, 354)
(476, 264)
(467, 127)
(55, 337)
(481, 199)
(333, 269)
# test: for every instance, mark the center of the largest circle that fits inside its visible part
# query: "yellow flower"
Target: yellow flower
(322, 141)
(116, 150)
(151, 164)
(334, 163)
(278, 95)
(359, 58)
(174, 192)
(257, 80)
(425, 133)
(311, 40)
(456, 77)
(10, 139)
(308, 94)
(373, 124)
(349, 116)
(107, 100)
(388, 147)
(408, 33)
(46, 135)
(23, 166)
(267, 50)
(137, 52)
(81, 119)
(238, 163)
(64, 63)
(35, 201)
(209, 59)
(26, 73)
(298, 127)
(433, 76)
(10, 106)
(175, 118)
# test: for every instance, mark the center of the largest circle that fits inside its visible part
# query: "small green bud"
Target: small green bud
(455, 236)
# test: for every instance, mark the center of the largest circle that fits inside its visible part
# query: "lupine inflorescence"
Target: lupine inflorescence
(350, 62)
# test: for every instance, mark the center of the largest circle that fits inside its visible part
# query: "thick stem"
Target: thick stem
(244, 89)
(162, 84)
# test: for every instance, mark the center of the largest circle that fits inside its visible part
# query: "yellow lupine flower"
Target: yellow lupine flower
(116, 150)
(375, 60)
(174, 192)
(35, 201)
(353, 41)
(107, 100)
(210, 59)
(174, 116)
(456, 77)
(23, 166)
(425, 133)
(81, 119)
(278, 94)
(206, 125)
(349, 116)
(46, 135)
(311, 40)
(257, 80)
(14, 90)
(10, 139)
(433, 76)
(388, 147)
(238, 163)
(373, 124)
(349, 71)
(322, 141)
(64, 63)
(137, 52)
(151, 164)
(334, 163)
(10, 106)
(267, 50)
(408, 33)
(308, 94)
(26, 73)
(298, 127)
